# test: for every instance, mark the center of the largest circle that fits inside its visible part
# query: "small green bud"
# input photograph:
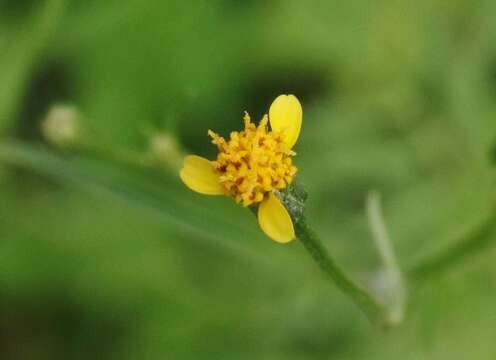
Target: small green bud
(164, 149)
(61, 126)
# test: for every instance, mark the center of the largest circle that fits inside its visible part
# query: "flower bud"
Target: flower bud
(165, 150)
(61, 126)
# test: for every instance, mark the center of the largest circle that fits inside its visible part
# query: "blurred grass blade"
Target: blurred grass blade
(475, 241)
(20, 55)
(139, 188)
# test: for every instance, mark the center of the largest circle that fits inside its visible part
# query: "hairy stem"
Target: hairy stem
(373, 310)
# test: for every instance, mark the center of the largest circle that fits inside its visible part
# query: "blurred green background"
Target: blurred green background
(100, 260)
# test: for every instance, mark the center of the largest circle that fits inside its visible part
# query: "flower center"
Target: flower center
(253, 162)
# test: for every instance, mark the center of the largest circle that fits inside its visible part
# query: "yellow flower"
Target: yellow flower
(253, 166)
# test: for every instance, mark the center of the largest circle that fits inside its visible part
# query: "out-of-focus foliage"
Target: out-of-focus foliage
(398, 96)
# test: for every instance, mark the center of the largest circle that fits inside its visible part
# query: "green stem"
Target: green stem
(393, 290)
(374, 311)
(473, 242)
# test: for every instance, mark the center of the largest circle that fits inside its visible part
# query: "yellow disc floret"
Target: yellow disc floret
(253, 162)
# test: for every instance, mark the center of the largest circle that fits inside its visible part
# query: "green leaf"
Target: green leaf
(163, 197)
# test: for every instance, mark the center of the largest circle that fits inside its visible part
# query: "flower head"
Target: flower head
(253, 162)
(254, 165)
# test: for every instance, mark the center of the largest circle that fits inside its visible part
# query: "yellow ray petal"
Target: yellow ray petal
(285, 115)
(274, 220)
(199, 175)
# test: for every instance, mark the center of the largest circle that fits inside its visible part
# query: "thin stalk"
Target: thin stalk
(371, 308)
(393, 288)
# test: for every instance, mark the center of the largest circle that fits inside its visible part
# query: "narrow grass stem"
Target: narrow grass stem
(112, 154)
(364, 300)
(476, 240)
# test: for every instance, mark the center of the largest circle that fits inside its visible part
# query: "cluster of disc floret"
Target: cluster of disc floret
(253, 162)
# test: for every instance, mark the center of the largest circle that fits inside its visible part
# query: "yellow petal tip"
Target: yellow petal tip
(275, 221)
(286, 116)
(199, 175)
